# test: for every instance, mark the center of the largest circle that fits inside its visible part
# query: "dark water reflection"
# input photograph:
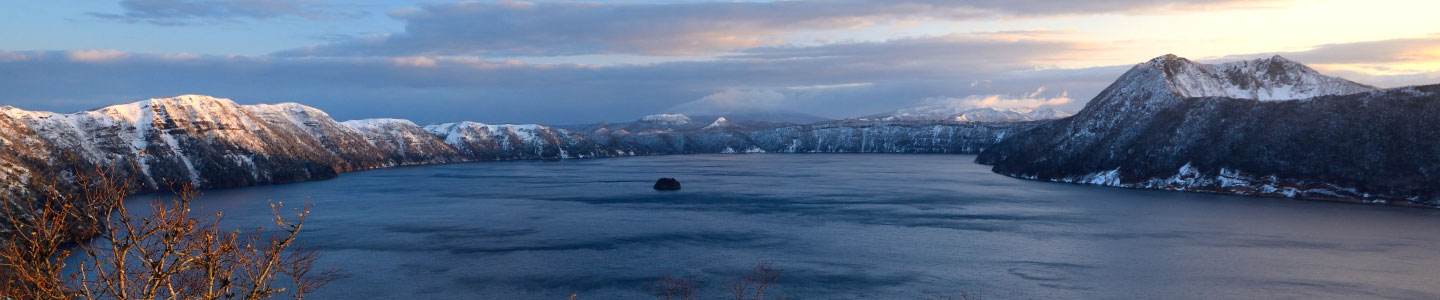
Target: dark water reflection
(841, 226)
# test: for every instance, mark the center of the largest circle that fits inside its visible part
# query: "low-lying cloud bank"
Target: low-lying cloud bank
(833, 80)
(504, 28)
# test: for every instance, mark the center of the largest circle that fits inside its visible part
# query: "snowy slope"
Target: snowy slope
(354, 149)
(504, 142)
(405, 140)
(1274, 78)
(206, 141)
(190, 138)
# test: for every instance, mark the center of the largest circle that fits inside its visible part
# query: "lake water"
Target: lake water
(840, 226)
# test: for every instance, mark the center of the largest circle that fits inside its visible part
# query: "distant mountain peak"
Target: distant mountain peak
(719, 123)
(1166, 58)
(1264, 79)
(773, 116)
(193, 97)
(378, 123)
(670, 119)
(1047, 113)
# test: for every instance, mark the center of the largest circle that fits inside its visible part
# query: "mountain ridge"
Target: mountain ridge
(215, 143)
(968, 114)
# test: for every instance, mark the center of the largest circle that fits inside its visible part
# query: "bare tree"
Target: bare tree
(169, 253)
(676, 288)
(752, 286)
(963, 296)
(31, 256)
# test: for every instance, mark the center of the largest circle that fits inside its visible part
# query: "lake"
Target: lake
(856, 226)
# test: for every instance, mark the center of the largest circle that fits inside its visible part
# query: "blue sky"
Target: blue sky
(588, 61)
(69, 24)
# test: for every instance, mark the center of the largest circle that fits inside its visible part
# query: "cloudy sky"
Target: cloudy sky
(567, 62)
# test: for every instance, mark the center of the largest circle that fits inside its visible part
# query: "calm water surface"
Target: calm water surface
(841, 227)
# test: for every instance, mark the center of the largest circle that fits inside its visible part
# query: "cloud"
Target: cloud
(1421, 49)
(1049, 7)
(733, 100)
(415, 61)
(1386, 63)
(1030, 100)
(95, 56)
(11, 56)
(967, 50)
(834, 80)
(513, 28)
(830, 86)
(1382, 76)
(182, 12)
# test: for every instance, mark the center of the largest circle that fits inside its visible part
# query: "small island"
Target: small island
(667, 184)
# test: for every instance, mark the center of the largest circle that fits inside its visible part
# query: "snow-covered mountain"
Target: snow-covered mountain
(208, 141)
(404, 141)
(1174, 124)
(214, 142)
(1274, 78)
(667, 119)
(1046, 114)
(505, 142)
(969, 114)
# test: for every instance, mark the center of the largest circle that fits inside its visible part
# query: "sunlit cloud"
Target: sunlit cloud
(979, 51)
(1181, 7)
(513, 28)
(177, 56)
(1394, 62)
(415, 61)
(11, 56)
(733, 100)
(95, 56)
(1030, 100)
(835, 80)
